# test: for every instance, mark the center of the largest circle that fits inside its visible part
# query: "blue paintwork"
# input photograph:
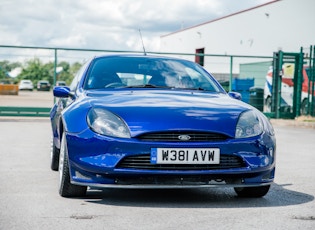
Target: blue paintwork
(153, 110)
(170, 110)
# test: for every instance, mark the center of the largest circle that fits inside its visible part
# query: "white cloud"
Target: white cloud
(75, 41)
(105, 24)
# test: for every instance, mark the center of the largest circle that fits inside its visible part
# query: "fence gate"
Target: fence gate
(287, 80)
(310, 109)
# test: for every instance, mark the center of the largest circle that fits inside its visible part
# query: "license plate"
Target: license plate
(185, 156)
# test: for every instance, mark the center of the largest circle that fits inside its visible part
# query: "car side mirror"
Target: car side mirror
(62, 91)
(235, 95)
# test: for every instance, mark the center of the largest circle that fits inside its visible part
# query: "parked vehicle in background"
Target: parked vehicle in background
(61, 83)
(26, 85)
(43, 85)
(287, 87)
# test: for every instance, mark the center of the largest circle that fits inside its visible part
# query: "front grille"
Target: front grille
(175, 136)
(143, 162)
(168, 180)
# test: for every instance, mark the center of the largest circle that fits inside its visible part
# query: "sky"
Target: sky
(106, 24)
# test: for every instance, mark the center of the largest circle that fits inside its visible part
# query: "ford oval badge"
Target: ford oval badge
(184, 137)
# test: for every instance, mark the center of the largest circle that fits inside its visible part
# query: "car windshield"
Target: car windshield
(147, 72)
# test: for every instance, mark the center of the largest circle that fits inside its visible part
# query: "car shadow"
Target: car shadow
(278, 195)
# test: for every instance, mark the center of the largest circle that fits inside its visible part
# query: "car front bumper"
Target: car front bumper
(96, 161)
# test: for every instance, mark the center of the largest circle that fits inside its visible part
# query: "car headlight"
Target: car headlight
(248, 125)
(106, 123)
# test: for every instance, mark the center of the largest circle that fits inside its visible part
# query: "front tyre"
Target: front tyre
(252, 192)
(55, 152)
(66, 189)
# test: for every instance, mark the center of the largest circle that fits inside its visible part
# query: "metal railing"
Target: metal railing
(24, 111)
(224, 67)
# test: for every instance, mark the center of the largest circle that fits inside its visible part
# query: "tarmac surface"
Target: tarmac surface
(29, 196)
(28, 99)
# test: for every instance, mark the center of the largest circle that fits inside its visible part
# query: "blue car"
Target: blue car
(142, 121)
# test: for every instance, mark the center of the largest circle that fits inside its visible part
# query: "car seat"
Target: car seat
(101, 79)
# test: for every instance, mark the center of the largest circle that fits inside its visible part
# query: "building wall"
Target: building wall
(258, 71)
(260, 31)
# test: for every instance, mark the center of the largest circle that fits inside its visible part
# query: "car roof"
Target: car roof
(139, 55)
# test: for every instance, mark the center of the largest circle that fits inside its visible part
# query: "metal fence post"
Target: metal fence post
(55, 68)
(298, 79)
(55, 72)
(312, 79)
(231, 73)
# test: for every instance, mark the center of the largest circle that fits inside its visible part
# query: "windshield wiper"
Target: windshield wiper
(164, 87)
(192, 88)
(146, 86)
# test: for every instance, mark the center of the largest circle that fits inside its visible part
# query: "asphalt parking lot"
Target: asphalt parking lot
(28, 99)
(29, 191)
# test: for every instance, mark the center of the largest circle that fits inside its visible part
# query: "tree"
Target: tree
(68, 71)
(6, 67)
(35, 70)
(64, 74)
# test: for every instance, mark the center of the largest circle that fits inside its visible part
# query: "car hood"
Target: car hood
(160, 110)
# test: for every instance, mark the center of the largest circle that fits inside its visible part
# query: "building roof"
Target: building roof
(221, 18)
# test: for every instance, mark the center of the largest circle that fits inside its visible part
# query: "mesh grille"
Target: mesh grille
(143, 162)
(182, 136)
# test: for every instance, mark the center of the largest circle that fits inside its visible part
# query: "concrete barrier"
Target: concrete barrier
(9, 89)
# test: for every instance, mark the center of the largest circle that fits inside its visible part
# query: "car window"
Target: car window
(77, 77)
(111, 72)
